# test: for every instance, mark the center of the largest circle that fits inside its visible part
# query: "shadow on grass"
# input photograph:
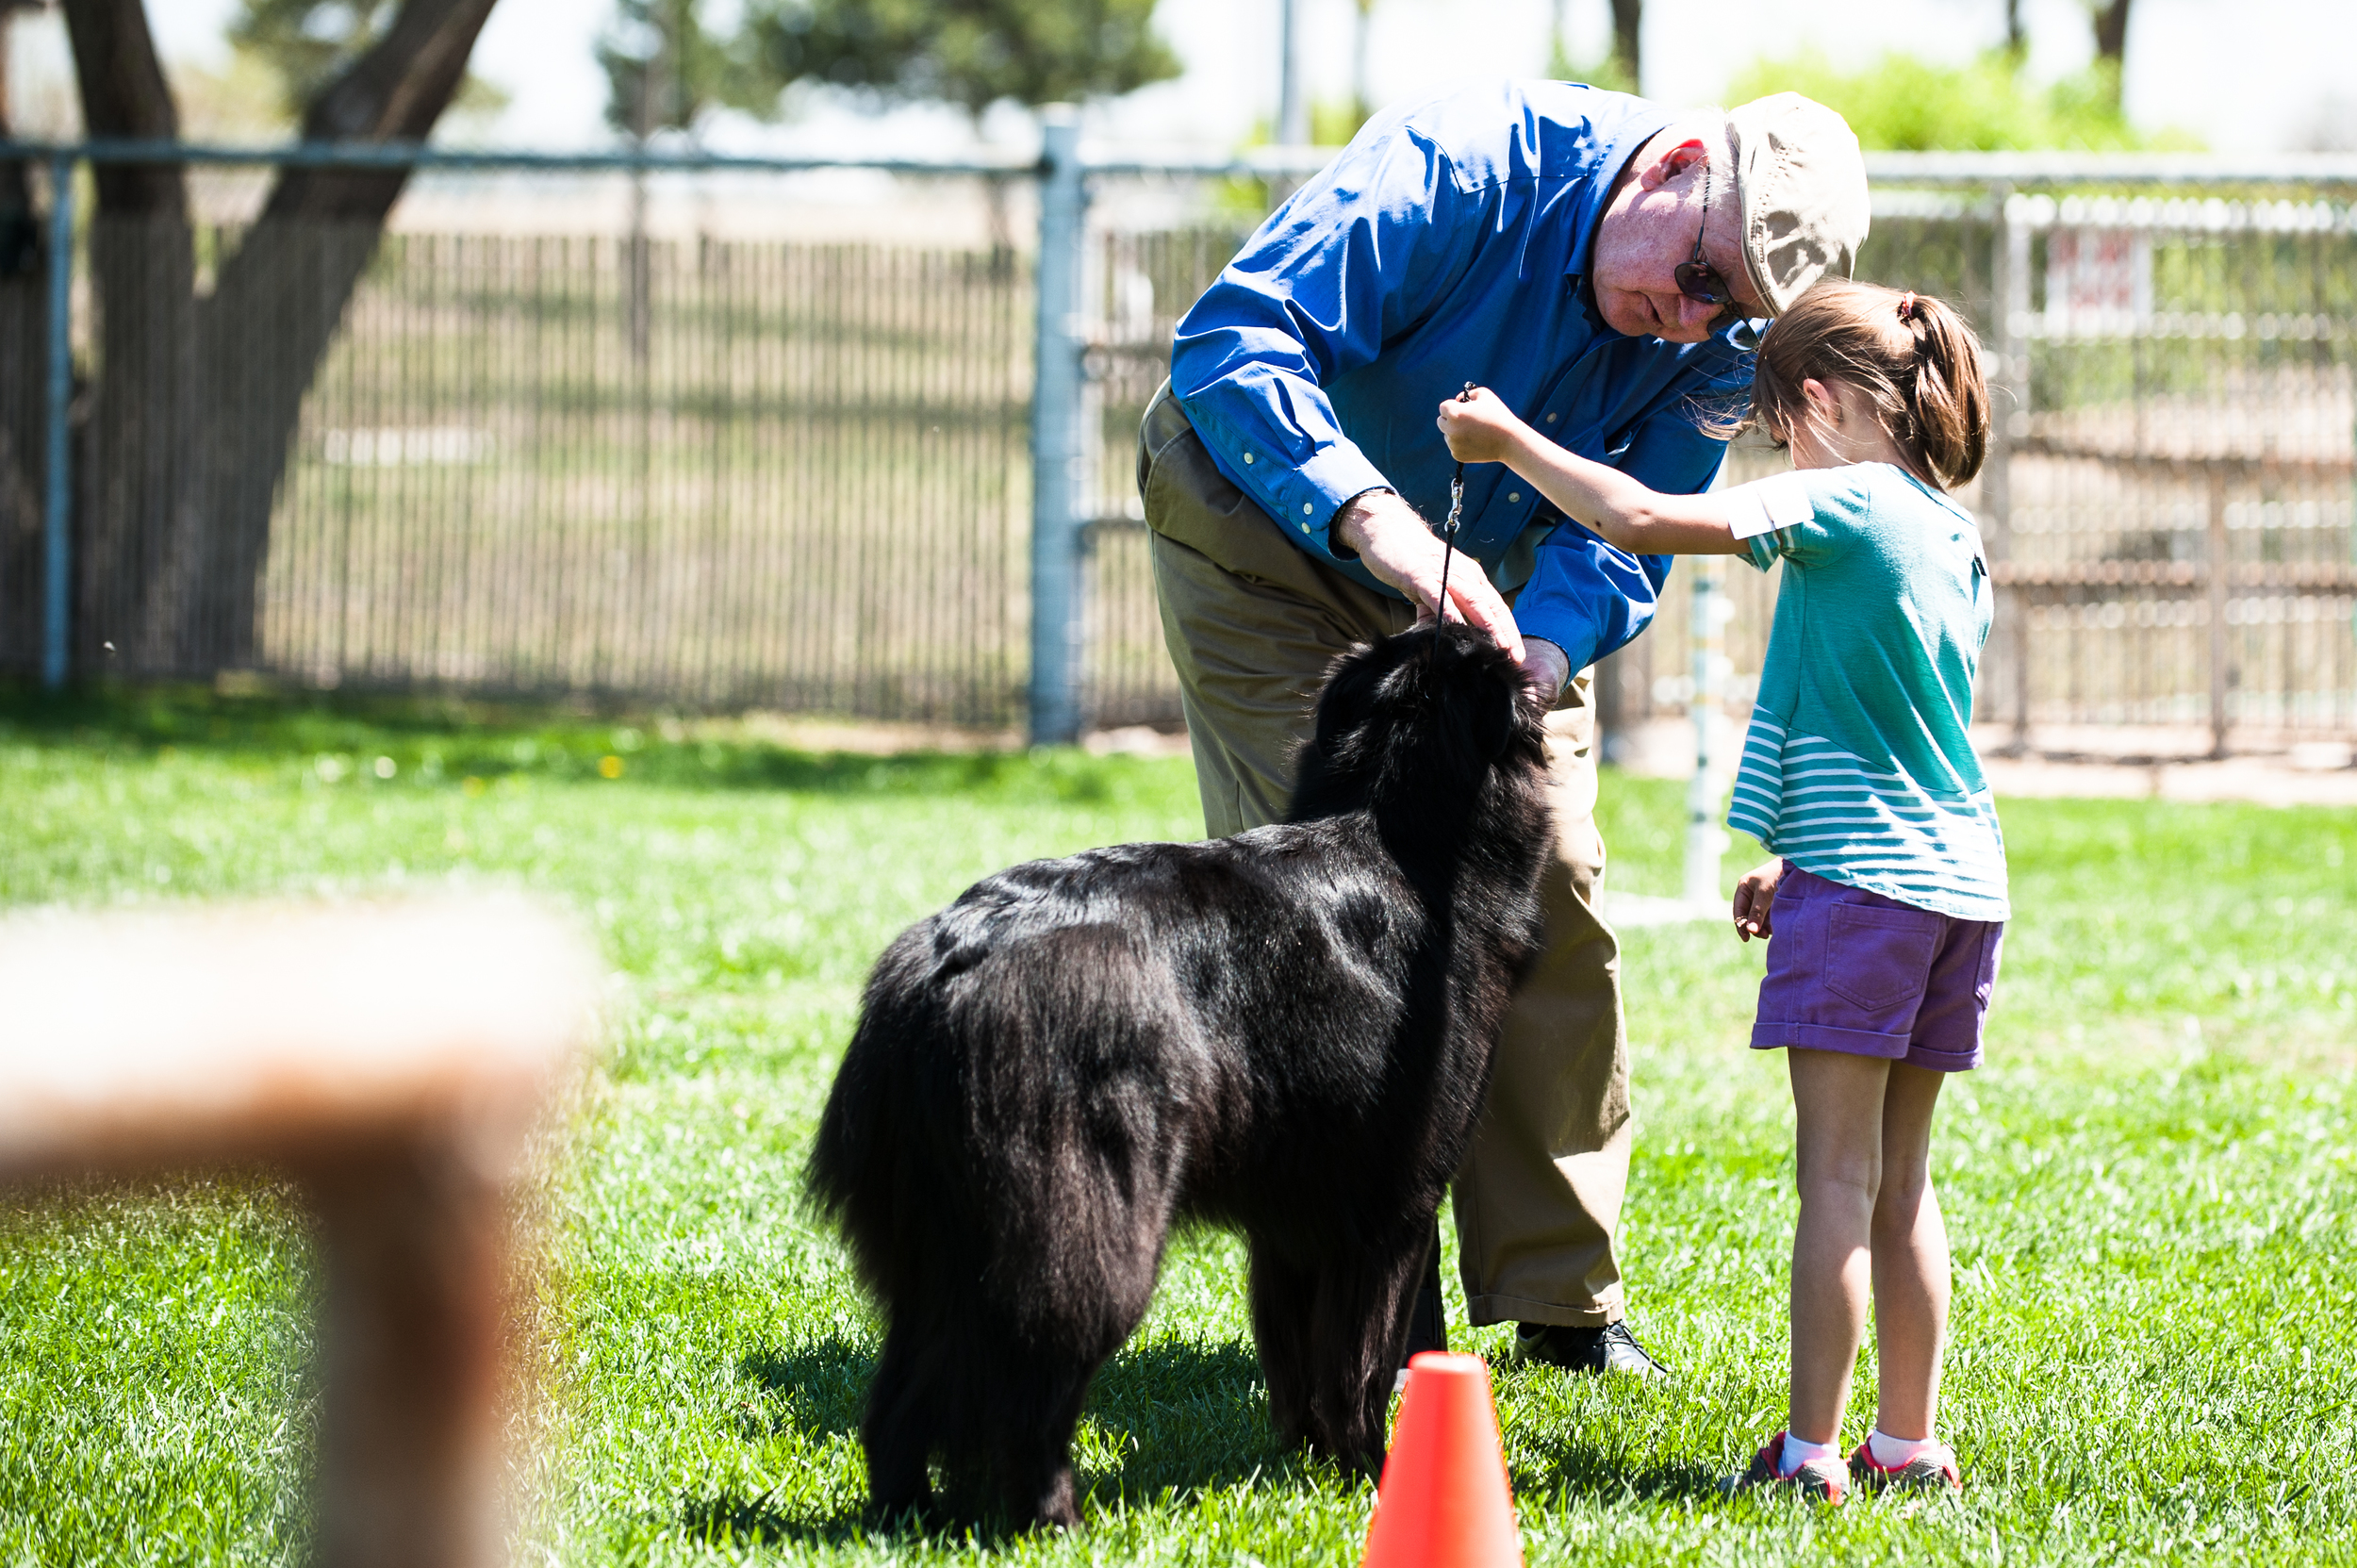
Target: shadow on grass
(467, 743)
(1187, 1415)
(445, 740)
(822, 1387)
(739, 1522)
(1182, 1415)
(1574, 1466)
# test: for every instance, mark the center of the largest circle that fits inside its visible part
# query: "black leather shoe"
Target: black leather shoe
(1612, 1349)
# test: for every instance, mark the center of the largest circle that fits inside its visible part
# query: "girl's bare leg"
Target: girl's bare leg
(1837, 1103)
(1910, 1250)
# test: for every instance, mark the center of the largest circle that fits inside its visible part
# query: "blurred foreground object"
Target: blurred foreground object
(394, 1057)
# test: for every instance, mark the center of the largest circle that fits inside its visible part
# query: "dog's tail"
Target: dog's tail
(1005, 1134)
(876, 1164)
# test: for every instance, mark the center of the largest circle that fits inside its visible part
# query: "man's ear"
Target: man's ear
(1672, 162)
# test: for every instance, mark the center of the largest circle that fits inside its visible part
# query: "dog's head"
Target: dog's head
(1427, 713)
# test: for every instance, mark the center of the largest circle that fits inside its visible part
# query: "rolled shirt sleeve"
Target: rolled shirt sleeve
(1589, 598)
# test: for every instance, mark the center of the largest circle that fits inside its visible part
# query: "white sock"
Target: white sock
(1893, 1453)
(1798, 1452)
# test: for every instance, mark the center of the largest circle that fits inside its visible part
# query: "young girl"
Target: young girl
(1887, 906)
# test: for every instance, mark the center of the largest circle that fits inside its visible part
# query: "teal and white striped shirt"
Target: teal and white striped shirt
(1859, 764)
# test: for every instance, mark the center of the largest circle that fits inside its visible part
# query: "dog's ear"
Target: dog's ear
(1485, 690)
(1353, 686)
(1497, 711)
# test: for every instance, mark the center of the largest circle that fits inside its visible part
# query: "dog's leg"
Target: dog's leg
(1042, 1397)
(1363, 1304)
(1285, 1324)
(898, 1432)
(1414, 1320)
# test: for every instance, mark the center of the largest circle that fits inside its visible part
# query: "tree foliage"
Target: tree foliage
(1619, 69)
(308, 43)
(664, 68)
(970, 52)
(1902, 103)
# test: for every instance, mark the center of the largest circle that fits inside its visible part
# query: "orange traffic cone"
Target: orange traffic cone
(1444, 1502)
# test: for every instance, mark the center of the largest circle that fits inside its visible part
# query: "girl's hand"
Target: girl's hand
(1481, 428)
(1752, 897)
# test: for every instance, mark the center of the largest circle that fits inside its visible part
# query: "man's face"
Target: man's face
(1648, 230)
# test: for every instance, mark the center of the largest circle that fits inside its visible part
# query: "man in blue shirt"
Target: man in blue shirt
(1602, 265)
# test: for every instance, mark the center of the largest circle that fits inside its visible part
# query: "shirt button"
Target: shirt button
(1516, 495)
(1305, 508)
(1550, 421)
(1247, 458)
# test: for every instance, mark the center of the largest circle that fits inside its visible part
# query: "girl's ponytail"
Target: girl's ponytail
(1912, 355)
(1947, 397)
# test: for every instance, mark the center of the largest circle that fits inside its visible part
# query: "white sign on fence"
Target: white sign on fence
(2099, 281)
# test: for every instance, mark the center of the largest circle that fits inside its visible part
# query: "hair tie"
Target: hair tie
(1907, 305)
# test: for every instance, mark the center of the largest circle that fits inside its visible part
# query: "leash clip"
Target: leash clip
(1448, 532)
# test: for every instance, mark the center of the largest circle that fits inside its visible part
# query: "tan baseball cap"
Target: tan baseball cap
(1800, 186)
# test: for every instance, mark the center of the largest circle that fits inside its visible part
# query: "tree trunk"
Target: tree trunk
(281, 297)
(1361, 93)
(2111, 46)
(1628, 27)
(136, 535)
(200, 399)
(2111, 31)
(24, 345)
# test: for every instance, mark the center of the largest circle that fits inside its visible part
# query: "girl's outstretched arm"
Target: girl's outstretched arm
(1481, 429)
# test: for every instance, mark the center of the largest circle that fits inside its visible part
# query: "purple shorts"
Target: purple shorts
(1853, 972)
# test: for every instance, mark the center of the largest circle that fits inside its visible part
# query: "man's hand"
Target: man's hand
(1481, 429)
(1401, 551)
(1752, 897)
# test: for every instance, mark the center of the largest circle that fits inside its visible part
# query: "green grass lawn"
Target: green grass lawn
(2150, 1187)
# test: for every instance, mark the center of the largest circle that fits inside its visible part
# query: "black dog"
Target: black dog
(1287, 1031)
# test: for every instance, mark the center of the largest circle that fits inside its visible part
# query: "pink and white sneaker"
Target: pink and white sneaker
(1820, 1480)
(1933, 1468)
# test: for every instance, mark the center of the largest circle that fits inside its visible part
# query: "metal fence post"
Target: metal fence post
(58, 486)
(1057, 434)
(2217, 578)
(1705, 840)
(2010, 285)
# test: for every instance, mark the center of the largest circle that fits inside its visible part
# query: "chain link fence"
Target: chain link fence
(2168, 497)
(693, 471)
(698, 469)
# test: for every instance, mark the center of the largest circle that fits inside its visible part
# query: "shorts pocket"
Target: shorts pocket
(1877, 958)
(1992, 944)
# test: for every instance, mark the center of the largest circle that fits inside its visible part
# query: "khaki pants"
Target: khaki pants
(1252, 623)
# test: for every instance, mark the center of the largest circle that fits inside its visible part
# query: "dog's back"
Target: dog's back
(1038, 1058)
(1289, 1030)
(998, 1051)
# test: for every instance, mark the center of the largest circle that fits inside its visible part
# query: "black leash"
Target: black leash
(1448, 537)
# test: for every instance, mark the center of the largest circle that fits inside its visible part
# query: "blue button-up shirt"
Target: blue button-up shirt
(1450, 243)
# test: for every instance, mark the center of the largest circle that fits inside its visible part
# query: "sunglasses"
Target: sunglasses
(1696, 278)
